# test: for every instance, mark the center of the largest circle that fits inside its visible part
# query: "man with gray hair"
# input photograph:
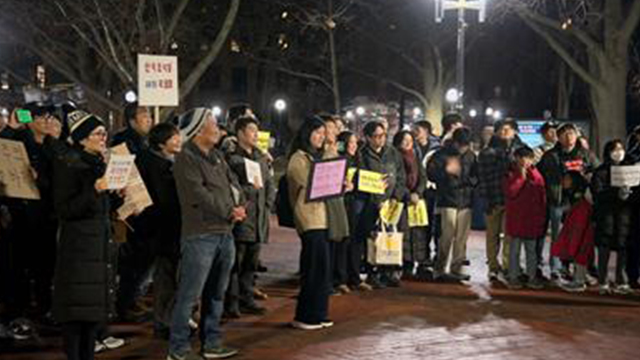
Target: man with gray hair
(212, 202)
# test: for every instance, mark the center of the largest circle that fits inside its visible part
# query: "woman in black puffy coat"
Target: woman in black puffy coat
(613, 214)
(83, 291)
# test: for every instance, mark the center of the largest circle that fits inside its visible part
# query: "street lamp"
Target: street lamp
(130, 96)
(497, 115)
(360, 111)
(473, 113)
(217, 111)
(489, 111)
(452, 96)
(417, 112)
(280, 105)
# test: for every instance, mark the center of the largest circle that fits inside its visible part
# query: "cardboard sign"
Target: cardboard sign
(327, 179)
(24, 116)
(118, 171)
(264, 141)
(137, 197)
(391, 211)
(418, 216)
(157, 80)
(625, 176)
(371, 182)
(254, 172)
(16, 179)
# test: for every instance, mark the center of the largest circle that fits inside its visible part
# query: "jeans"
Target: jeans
(603, 266)
(531, 258)
(240, 291)
(555, 219)
(315, 280)
(205, 268)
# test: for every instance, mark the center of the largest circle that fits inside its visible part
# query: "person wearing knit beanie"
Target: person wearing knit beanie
(192, 121)
(82, 124)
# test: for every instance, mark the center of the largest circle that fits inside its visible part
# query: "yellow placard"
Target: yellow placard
(371, 182)
(418, 215)
(263, 140)
(351, 173)
(391, 211)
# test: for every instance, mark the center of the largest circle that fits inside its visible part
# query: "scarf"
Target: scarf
(411, 168)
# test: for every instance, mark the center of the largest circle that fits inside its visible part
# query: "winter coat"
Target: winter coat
(555, 164)
(307, 215)
(84, 273)
(493, 165)
(160, 224)
(389, 162)
(208, 191)
(526, 206)
(575, 242)
(255, 228)
(612, 214)
(453, 191)
(135, 142)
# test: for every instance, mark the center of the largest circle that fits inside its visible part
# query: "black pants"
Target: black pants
(135, 261)
(240, 290)
(366, 215)
(633, 260)
(603, 266)
(79, 339)
(315, 279)
(339, 262)
(165, 284)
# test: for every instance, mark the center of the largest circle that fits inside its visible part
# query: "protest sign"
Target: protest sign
(137, 197)
(327, 179)
(391, 211)
(157, 80)
(254, 172)
(16, 178)
(264, 141)
(418, 215)
(371, 182)
(24, 116)
(625, 176)
(118, 171)
(351, 174)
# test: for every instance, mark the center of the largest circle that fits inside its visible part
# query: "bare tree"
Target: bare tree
(94, 43)
(601, 31)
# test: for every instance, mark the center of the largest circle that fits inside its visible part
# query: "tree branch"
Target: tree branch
(631, 22)
(191, 81)
(395, 84)
(175, 19)
(289, 71)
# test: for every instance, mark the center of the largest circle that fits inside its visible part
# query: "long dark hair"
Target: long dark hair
(397, 140)
(301, 141)
(344, 138)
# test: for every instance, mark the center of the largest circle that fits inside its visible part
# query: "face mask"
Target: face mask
(617, 156)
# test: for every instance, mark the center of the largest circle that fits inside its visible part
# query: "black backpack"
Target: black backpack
(283, 204)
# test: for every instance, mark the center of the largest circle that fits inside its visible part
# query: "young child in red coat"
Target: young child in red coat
(526, 208)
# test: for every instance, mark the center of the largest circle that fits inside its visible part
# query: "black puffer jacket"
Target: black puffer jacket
(389, 162)
(83, 281)
(160, 224)
(557, 163)
(613, 215)
(453, 191)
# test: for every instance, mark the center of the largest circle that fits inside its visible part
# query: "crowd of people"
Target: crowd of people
(197, 247)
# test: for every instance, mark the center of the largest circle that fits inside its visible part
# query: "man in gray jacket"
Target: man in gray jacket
(212, 202)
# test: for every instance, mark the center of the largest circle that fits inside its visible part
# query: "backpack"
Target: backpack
(283, 204)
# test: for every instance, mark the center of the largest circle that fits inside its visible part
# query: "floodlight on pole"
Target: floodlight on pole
(417, 111)
(452, 96)
(130, 96)
(360, 110)
(497, 115)
(217, 111)
(473, 113)
(489, 111)
(280, 105)
(349, 115)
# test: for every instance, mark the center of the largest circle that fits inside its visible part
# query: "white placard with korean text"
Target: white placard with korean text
(254, 173)
(625, 176)
(16, 177)
(157, 80)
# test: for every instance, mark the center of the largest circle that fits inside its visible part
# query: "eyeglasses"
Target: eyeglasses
(99, 134)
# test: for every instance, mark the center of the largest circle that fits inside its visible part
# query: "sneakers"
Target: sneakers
(22, 329)
(219, 353)
(176, 357)
(461, 277)
(535, 284)
(363, 286)
(252, 309)
(573, 287)
(304, 326)
(259, 294)
(623, 290)
(110, 343)
(604, 289)
(494, 276)
(343, 289)
(514, 285)
(326, 323)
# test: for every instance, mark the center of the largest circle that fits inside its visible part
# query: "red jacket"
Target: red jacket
(526, 204)
(576, 240)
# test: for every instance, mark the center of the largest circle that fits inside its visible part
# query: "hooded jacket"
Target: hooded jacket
(453, 191)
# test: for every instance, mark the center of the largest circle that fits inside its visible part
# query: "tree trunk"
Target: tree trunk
(334, 60)
(609, 105)
(565, 89)
(434, 109)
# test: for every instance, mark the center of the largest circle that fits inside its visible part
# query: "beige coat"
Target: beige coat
(308, 215)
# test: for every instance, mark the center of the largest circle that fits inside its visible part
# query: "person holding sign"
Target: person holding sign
(613, 219)
(453, 169)
(415, 246)
(84, 273)
(375, 157)
(258, 188)
(311, 220)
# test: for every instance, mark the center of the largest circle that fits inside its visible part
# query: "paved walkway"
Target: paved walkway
(418, 321)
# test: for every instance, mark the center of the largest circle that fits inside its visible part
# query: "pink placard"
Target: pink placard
(327, 179)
